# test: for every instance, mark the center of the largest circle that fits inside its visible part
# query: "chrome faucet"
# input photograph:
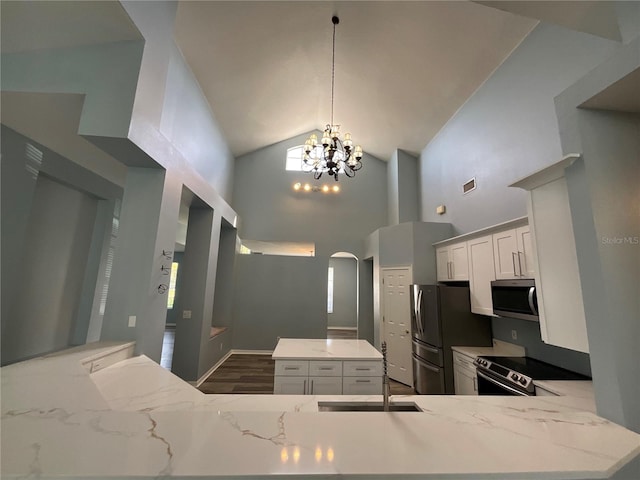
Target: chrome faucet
(385, 379)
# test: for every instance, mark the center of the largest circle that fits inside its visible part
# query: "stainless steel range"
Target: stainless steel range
(515, 375)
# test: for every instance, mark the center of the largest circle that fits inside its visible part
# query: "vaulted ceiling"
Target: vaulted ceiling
(402, 68)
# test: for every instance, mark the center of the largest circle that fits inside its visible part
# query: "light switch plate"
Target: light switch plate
(186, 314)
(132, 320)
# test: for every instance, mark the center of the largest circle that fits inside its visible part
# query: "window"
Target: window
(294, 161)
(330, 291)
(172, 285)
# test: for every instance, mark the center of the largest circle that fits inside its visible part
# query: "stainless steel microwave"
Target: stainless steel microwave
(515, 299)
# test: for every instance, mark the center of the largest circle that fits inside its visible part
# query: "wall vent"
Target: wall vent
(469, 186)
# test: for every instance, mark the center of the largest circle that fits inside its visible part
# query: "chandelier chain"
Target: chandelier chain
(333, 71)
(332, 155)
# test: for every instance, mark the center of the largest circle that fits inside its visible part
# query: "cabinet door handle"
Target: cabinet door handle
(449, 271)
(304, 387)
(363, 369)
(363, 381)
(311, 387)
(292, 368)
(326, 368)
(520, 263)
(513, 259)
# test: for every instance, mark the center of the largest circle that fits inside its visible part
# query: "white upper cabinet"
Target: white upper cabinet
(513, 254)
(560, 304)
(481, 274)
(452, 262)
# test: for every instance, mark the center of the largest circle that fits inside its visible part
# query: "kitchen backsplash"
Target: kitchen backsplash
(528, 334)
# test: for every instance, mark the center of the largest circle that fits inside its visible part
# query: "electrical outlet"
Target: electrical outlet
(132, 320)
(186, 314)
(514, 334)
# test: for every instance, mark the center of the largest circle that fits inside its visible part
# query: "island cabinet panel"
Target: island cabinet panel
(325, 386)
(292, 368)
(328, 368)
(285, 385)
(363, 368)
(362, 385)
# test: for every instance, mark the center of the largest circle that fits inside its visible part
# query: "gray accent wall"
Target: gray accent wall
(403, 188)
(277, 296)
(603, 196)
(528, 334)
(506, 130)
(345, 293)
(49, 283)
(272, 211)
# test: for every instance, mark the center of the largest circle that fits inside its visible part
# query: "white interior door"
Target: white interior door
(397, 323)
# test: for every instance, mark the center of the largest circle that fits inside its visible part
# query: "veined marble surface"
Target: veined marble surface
(320, 349)
(136, 419)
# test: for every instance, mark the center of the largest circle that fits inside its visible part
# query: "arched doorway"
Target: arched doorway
(342, 296)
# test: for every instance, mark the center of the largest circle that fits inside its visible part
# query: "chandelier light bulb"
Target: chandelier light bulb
(325, 188)
(336, 188)
(297, 186)
(307, 187)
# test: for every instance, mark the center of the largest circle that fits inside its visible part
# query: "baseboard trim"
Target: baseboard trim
(201, 380)
(253, 352)
(342, 328)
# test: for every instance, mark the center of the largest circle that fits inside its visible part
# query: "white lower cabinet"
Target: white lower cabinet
(464, 375)
(327, 377)
(325, 385)
(284, 385)
(362, 385)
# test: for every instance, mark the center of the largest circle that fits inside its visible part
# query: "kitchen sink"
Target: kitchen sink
(367, 407)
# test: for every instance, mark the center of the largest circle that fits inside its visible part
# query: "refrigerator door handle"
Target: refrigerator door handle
(419, 314)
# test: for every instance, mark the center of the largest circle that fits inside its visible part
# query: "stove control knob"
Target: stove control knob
(514, 377)
(523, 380)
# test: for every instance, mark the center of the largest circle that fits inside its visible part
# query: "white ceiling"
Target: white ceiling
(402, 68)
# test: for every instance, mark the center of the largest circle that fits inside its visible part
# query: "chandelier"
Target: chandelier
(332, 155)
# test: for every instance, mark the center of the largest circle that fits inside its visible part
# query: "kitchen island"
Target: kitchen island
(326, 367)
(135, 419)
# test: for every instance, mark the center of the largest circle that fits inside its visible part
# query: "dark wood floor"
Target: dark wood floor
(253, 374)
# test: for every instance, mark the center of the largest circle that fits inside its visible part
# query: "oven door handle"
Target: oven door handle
(501, 385)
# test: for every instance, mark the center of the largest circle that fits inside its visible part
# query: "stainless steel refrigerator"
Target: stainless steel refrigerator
(440, 318)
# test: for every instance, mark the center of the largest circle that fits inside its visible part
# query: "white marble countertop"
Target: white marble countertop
(321, 349)
(135, 419)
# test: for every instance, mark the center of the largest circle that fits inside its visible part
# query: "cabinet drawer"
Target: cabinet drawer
(362, 368)
(330, 368)
(362, 385)
(292, 367)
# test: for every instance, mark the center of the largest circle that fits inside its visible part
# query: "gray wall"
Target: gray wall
(528, 334)
(345, 293)
(223, 300)
(58, 238)
(506, 130)
(403, 188)
(62, 186)
(141, 102)
(271, 210)
(288, 299)
(603, 195)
